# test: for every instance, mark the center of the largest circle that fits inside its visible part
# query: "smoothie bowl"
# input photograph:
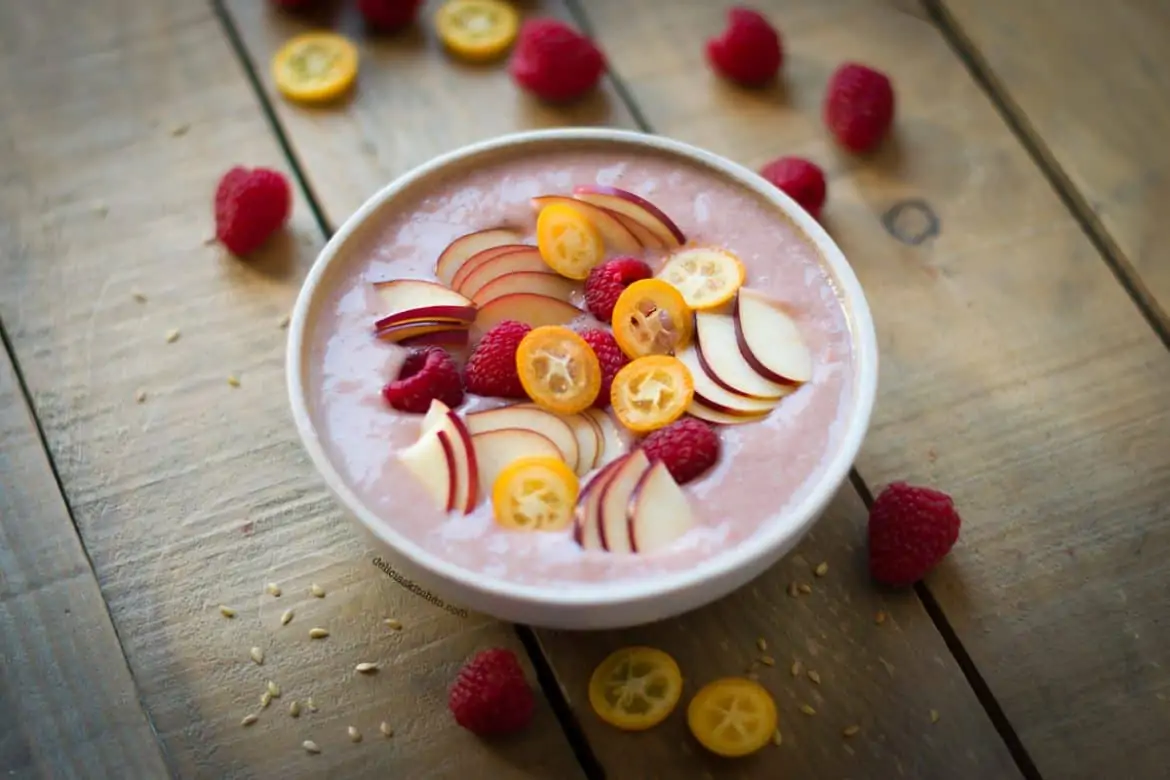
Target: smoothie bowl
(532, 500)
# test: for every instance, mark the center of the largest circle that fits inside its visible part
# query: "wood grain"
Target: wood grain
(1100, 119)
(119, 118)
(1016, 373)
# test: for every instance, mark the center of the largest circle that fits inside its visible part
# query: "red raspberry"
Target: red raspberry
(859, 106)
(607, 280)
(611, 357)
(388, 15)
(491, 369)
(490, 696)
(688, 447)
(250, 205)
(426, 374)
(911, 529)
(555, 62)
(800, 179)
(748, 51)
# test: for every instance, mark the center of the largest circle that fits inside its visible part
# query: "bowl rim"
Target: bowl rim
(772, 538)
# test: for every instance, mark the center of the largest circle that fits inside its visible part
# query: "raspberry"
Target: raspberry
(688, 447)
(428, 373)
(911, 529)
(555, 62)
(250, 205)
(491, 369)
(748, 51)
(607, 281)
(611, 357)
(388, 15)
(490, 696)
(800, 179)
(859, 106)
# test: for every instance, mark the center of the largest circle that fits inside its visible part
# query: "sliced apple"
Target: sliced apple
(725, 364)
(587, 515)
(615, 501)
(704, 412)
(478, 261)
(617, 237)
(436, 414)
(658, 512)
(526, 260)
(449, 339)
(531, 418)
(494, 450)
(411, 331)
(714, 395)
(770, 340)
(636, 208)
(431, 460)
(413, 300)
(530, 308)
(599, 435)
(612, 438)
(535, 282)
(463, 248)
(588, 441)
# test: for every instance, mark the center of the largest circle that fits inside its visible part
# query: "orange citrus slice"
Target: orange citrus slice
(477, 30)
(651, 317)
(635, 688)
(568, 241)
(732, 717)
(651, 392)
(315, 67)
(706, 277)
(558, 369)
(535, 494)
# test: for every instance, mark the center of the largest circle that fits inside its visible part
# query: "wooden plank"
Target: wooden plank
(1101, 121)
(834, 628)
(1016, 373)
(73, 710)
(117, 124)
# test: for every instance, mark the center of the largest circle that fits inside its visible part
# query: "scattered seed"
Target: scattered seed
(767, 660)
(233, 380)
(286, 617)
(762, 644)
(178, 131)
(317, 590)
(249, 719)
(273, 589)
(807, 710)
(172, 335)
(318, 633)
(139, 296)
(273, 690)
(880, 617)
(392, 624)
(210, 241)
(796, 667)
(257, 655)
(777, 740)
(934, 716)
(822, 569)
(386, 730)
(310, 747)
(793, 590)
(805, 588)
(227, 611)
(140, 396)
(265, 700)
(366, 668)
(812, 675)
(850, 731)
(354, 734)
(752, 676)
(284, 321)
(294, 708)
(309, 705)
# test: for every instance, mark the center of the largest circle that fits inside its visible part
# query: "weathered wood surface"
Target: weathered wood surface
(118, 119)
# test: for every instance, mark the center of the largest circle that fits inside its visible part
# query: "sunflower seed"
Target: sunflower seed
(392, 624)
(822, 569)
(812, 675)
(172, 335)
(249, 719)
(366, 668)
(386, 730)
(273, 589)
(286, 617)
(354, 734)
(318, 633)
(257, 655)
(294, 708)
(807, 710)
(850, 731)
(310, 747)
(317, 590)
(273, 690)
(227, 611)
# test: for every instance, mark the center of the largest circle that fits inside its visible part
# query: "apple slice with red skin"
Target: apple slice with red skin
(646, 237)
(658, 511)
(414, 330)
(463, 248)
(448, 339)
(531, 418)
(481, 259)
(617, 237)
(636, 208)
(615, 501)
(416, 300)
(495, 450)
(586, 515)
(710, 393)
(716, 344)
(466, 467)
(530, 308)
(431, 460)
(613, 440)
(769, 339)
(526, 260)
(588, 442)
(536, 282)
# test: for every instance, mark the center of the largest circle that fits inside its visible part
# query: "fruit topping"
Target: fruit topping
(388, 15)
(533, 309)
(651, 392)
(749, 51)
(250, 205)
(800, 180)
(635, 688)
(651, 317)
(463, 249)
(711, 395)
(558, 369)
(542, 283)
(707, 277)
(491, 368)
(406, 301)
(911, 529)
(490, 695)
(477, 30)
(532, 418)
(554, 62)
(659, 511)
(568, 241)
(687, 448)
(607, 281)
(444, 460)
(613, 436)
(535, 494)
(723, 358)
(427, 374)
(315, 67)
(770, 340)
(614, 232)
(637, 211)
(859, 106)
(497, 449)
(732, 717)
(611, 358)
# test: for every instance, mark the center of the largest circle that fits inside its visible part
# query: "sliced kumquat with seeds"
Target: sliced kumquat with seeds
(651, 317)
(635, 688)
(706, 276)
(315, 67)
(732, 717)
(535, 494)
(477, 30)
(651, 392)
(558, 369)
(569, 243)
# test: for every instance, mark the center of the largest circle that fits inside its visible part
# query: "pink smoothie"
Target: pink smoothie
(765, 466)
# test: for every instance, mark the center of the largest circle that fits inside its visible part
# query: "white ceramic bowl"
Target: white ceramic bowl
(599, 605)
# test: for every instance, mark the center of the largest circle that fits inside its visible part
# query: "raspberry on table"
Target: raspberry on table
(250, 205)
(555, 62)
(688, 447)
(491, 369)
(389, 15)
(911, 529)
(800, 179)
(606, 282)
(611, 357)
(749, 51)
(427, 374)
(859, 106)
(490, 695)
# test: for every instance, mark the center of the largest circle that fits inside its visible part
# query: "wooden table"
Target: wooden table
(1024, 370)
